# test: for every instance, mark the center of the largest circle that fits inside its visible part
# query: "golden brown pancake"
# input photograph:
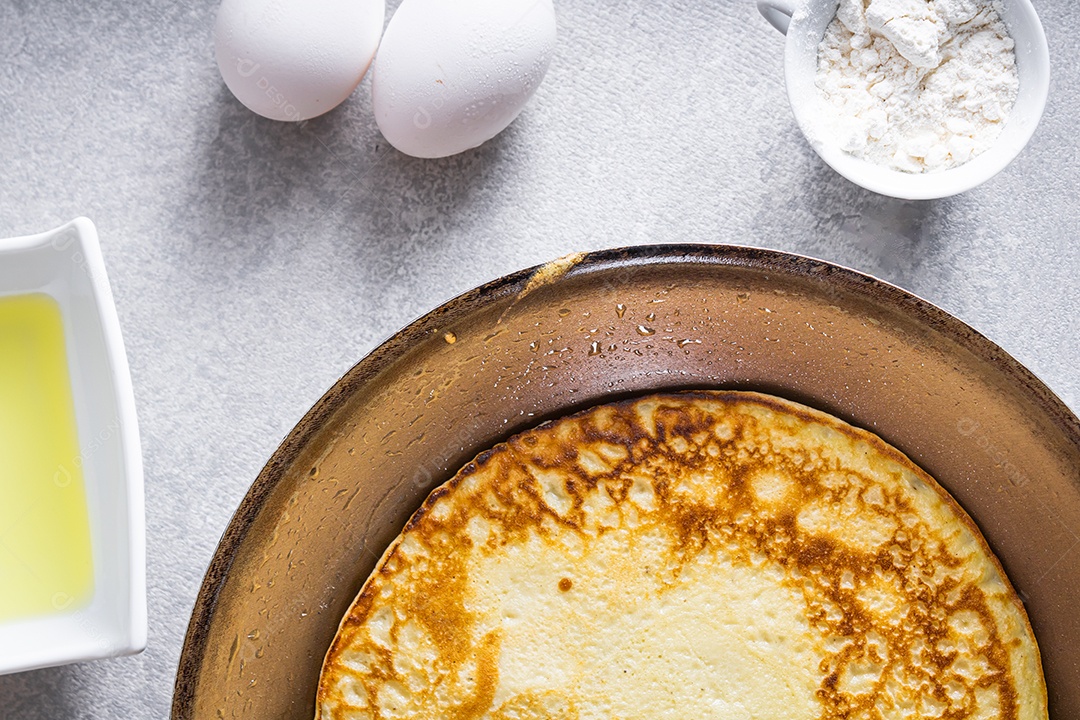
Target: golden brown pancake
(696, 555)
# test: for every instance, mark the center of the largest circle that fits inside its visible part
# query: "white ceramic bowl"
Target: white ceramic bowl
(804, 22)
(66, 264)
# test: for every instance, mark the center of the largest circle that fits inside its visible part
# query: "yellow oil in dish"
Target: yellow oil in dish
(46, 564)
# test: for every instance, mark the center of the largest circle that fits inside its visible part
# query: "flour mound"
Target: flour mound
(916, 85)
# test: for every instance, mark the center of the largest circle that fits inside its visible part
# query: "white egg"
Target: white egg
(296, 59)
(452, 74)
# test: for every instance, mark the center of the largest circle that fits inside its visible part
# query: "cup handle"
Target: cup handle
(777, 12)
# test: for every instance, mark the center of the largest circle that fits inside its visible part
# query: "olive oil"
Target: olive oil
(46, 564)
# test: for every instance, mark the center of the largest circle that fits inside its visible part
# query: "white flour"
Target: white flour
(918, 85)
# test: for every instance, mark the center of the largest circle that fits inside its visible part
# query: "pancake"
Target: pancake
(703, 554)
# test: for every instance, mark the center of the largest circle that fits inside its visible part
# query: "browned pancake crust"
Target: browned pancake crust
(731, 438)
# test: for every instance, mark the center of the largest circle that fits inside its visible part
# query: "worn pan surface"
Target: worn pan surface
(585, 329)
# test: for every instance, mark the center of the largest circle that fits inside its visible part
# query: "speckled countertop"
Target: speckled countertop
(254, 262)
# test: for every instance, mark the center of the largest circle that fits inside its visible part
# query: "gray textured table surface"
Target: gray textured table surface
(254, 262)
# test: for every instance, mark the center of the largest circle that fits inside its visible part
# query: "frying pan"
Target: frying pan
(589, 328)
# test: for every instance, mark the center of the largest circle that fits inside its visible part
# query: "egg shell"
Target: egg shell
(451, 75)
(295, 59)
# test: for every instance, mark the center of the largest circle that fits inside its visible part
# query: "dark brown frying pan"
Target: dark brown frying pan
(585, 329)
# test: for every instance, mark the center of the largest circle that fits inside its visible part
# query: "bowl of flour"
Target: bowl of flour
(916, 99)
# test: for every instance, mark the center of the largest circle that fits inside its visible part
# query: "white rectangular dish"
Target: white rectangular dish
(66, 265)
